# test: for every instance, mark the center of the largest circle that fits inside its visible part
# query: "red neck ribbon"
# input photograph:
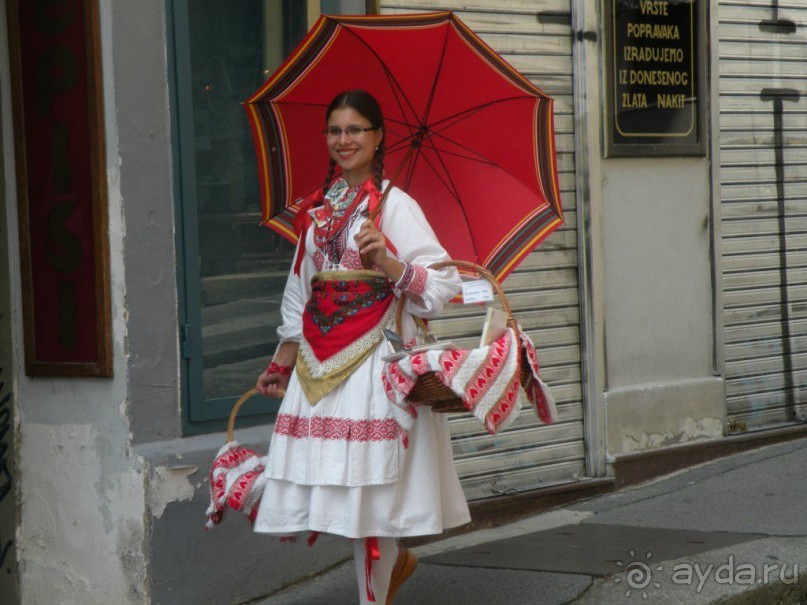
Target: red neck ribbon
(374, 200)
(302, 222)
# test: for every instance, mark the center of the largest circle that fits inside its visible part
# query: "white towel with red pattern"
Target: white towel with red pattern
(236, 482)
(487, 379)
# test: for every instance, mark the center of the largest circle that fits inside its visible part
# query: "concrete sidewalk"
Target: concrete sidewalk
(730, 531)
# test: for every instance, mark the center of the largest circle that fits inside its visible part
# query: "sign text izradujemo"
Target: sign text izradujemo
(654, 80)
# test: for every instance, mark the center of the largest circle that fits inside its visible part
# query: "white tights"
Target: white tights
(381, 568)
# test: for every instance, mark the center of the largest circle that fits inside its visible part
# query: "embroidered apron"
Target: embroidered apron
(343, 323)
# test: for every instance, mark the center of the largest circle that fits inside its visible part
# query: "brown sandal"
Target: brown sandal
(404, 567)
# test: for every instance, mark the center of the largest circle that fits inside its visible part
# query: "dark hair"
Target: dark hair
(366, 105)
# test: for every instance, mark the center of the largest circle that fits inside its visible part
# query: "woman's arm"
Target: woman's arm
(290, 331)
(418, 248)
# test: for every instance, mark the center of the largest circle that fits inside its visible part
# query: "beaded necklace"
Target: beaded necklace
(329, 220)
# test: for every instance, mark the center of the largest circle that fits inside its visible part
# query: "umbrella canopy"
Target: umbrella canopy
(483, 164)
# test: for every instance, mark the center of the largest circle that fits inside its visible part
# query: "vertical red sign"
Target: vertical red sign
(61, 186)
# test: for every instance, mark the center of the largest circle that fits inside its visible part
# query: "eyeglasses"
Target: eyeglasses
(353, 132)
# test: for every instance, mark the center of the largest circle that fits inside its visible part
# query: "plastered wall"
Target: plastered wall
(661, 388)
(80, 486)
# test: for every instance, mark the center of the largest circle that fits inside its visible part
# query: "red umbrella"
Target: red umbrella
(483, 164)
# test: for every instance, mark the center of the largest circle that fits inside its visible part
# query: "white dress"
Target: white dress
(354, 464)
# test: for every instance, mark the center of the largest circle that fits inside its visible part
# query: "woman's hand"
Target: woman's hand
(270, 385)
(371, 243)
(276, 377)
(373, 246)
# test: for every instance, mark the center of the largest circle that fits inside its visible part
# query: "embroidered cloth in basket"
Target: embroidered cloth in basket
(236, 481)
(487, 379)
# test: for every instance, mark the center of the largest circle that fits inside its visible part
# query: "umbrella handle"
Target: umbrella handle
(366, 263)
(237, 406)
(365, 260)
(392, 180)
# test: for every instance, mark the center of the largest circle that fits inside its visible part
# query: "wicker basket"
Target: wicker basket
(234, 412)
(237, 406)
(428, 390)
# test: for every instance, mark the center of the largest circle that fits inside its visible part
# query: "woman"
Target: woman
(343, 459)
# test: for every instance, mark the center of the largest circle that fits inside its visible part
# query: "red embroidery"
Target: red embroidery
(319, 260)
(241, 489)
(402, 381)
(351, 260)
(232, 458)
(418, 284)
(502, 408)
(420, 363)
(243, 494)
(413, 279)
(344, 429)
(451, 361)
(334, 301)
(488, 373)
(406, 276)
(404, 385)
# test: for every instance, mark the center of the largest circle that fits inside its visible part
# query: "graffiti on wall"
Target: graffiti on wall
(9, 591)
(6, 476)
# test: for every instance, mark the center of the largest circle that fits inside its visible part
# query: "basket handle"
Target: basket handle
(237, 406)
(463, 264)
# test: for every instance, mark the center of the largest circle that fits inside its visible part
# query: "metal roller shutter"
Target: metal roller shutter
(763, 155)
(543, 291)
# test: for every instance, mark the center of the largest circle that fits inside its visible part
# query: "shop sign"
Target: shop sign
(655, 93)
(61, 186)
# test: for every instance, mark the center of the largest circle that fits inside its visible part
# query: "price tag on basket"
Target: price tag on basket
(477, 291)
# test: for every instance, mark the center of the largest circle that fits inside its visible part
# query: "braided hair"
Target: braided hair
(366, 105)
(378, 165)
(327, 184)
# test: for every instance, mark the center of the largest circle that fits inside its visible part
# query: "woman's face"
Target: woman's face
(354, 154)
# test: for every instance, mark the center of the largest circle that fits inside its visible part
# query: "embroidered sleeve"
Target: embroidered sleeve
(413, 279)
(405, 225)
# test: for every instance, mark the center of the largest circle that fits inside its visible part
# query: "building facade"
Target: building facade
(668, 310)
